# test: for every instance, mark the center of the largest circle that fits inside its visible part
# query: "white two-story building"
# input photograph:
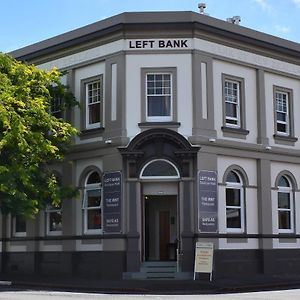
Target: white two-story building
(189, 133)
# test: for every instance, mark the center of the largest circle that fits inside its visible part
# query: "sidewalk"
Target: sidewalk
(221, 285)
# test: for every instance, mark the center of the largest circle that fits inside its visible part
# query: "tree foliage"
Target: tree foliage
(30, 137)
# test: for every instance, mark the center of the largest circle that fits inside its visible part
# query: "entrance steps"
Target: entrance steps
(159, 269)
(156, 270)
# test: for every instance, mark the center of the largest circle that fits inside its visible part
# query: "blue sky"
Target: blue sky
(24, 22)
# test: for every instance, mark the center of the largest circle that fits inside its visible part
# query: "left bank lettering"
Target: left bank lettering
(158, 44)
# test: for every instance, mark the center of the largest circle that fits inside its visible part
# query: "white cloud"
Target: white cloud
(297, 2)
(281, 28)
(263, 4)
(266, 7)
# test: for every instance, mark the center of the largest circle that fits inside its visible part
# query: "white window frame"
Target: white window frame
(85, 208)
(237, 103)
(14, 227)
(159, 118)
(238, 186)
(49, 210)
(87, 104)
(55, 107)
(159, 177)
(286, 190)
(287, 113)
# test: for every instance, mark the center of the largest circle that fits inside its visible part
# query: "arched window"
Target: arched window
(159, 169)
(235, 219)
(91, 206)
(285, 205)
(54, 216)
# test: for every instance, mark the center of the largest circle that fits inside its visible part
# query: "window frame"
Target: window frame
(289, 133)
(14, 227)
(229, 100)
(172, 71)
(287, 190)
(234, 130)
(238, 186)
(49, 210)
(58, 112)
(85, 83)
(85, 208)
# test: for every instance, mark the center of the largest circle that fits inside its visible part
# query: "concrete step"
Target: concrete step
(159, 263)
(159, 269)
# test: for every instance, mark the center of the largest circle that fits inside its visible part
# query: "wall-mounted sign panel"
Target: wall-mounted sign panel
(159, 44)
(112, 201)
(207, 201)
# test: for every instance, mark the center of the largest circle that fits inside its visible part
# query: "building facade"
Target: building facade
(171, 102)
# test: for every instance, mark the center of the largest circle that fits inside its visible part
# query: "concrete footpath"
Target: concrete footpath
(199, 286)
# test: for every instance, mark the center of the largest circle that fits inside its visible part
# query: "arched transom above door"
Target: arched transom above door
(159, 146)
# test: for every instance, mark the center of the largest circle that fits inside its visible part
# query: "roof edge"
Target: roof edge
(75, 36)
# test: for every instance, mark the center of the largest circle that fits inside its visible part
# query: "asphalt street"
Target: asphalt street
(50, 295)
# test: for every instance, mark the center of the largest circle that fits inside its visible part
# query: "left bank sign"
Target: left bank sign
(159, 44)
(112, 200)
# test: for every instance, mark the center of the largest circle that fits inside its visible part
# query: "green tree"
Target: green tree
(30, 137)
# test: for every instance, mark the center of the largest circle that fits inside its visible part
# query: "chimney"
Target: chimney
(234, 20)
(202, 7)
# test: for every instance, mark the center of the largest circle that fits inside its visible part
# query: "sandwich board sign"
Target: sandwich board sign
(204, 254)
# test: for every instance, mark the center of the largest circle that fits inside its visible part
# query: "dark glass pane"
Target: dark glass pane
(20, 224)
(158, 77)
(94, 178)
(56, 107)
(233, 122)
(233, 197)
(94, 198)
(150, 84)
(55, 221)
(167, 83)
(281, 127)
(159, 85)
(232, 177)
(233, 217)
(284, 220)
(159, 168)
(231, 110)
(159, 106)
(167, 91)
(281, 116)
(94, 219)
(94, 113)
(283, 200)
(283, 182)
(150, 77)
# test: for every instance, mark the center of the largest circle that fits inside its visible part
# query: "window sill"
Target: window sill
(93, 232)
(54, 233)
(159, 124)
(91, 133)
(234, 132)
(285, 139)
(234, 231)
(19, 234)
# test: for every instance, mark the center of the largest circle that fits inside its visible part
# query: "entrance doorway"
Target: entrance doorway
(160, 227)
